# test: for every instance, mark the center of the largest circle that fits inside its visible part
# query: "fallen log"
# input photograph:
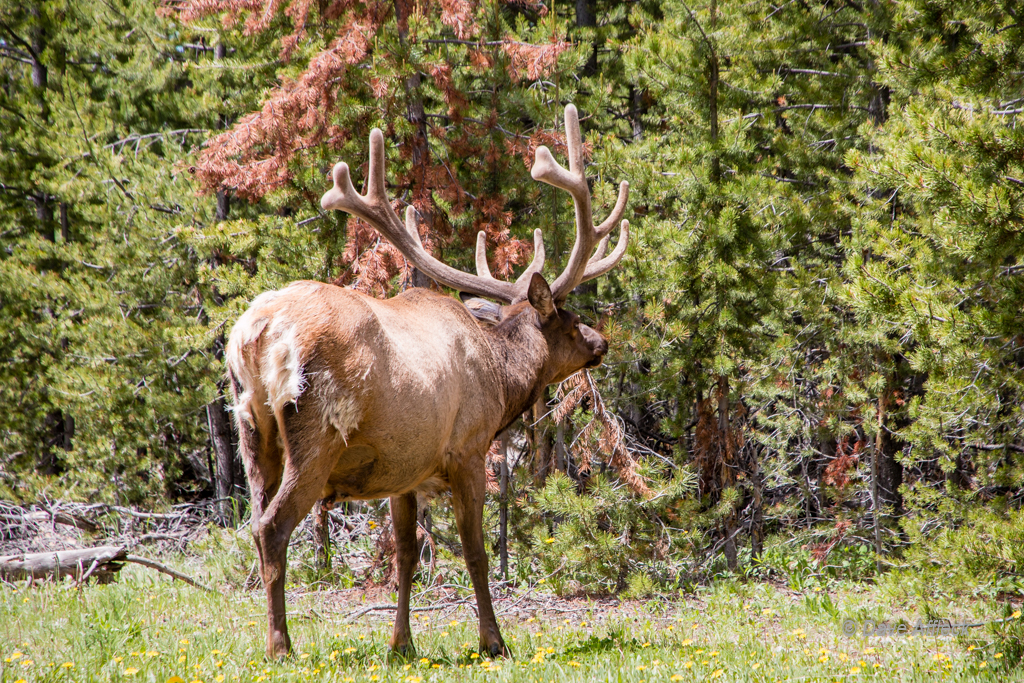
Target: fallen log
(56, 517)
(59, 564)
(101, 562)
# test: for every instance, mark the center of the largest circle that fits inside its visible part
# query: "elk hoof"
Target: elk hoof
(278, 646)
(402, 652)
(497, 649)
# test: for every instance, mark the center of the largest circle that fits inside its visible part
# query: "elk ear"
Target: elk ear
(483, 310)
(539, 295)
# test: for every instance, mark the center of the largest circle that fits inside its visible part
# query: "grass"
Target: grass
(146, 628)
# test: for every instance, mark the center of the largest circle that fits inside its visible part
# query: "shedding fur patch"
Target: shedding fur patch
(340, 410)
(282, 371)
(241, 355)
(343, 414)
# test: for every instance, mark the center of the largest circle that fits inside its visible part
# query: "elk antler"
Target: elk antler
(584, 263)
(375, 209)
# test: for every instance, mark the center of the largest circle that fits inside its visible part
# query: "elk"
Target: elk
(341, 396)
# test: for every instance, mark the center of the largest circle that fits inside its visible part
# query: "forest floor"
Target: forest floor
(146, 627)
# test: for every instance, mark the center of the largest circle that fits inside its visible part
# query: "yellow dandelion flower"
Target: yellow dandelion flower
(541, 580)
(998, 655)
(152, 653)
(549, 540)
(574, 663)
(676, 677)
(1016, 614)
(444, 633)
(28, 662)
(175, 679)
(474, 655)
(855, 670)
(250, 623)
(183, 641)
(219, 678)
(68, 665)
(640, 667)
(869, 650)
(687, 642)
(688, 665)
(14, 655)
(983, 665)
(755, 666)
(21, 680)
(647, 644)
(131, 671)
(713, 653)
(823, 659)
(717, 673)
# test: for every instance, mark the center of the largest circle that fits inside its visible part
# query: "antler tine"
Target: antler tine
(602, 249)
(537, 264)
(375, 208)
(599, 266)
(574, 181)
(616, 215)
(411, 224)
(482, 269)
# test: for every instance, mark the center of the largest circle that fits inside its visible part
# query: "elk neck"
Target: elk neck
(520, 356)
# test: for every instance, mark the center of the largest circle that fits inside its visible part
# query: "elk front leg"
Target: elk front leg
(468, 488)
(403, 517)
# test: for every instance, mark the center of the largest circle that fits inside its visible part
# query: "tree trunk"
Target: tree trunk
(321, 536)
(586, 17)
(725, 470)
(221, 438)
(757, 489)
(875, 501)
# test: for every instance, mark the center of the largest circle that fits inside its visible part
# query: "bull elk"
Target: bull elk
(340, 396)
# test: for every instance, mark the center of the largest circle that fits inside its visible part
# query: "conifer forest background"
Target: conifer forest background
(817, 332)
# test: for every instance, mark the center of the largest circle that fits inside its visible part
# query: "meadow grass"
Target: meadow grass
(144, 627)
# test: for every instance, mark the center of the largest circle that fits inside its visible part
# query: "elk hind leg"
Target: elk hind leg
(263, 458)
(307, 464)
(403, 517)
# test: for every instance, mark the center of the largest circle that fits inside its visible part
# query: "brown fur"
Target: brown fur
(340, 396)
